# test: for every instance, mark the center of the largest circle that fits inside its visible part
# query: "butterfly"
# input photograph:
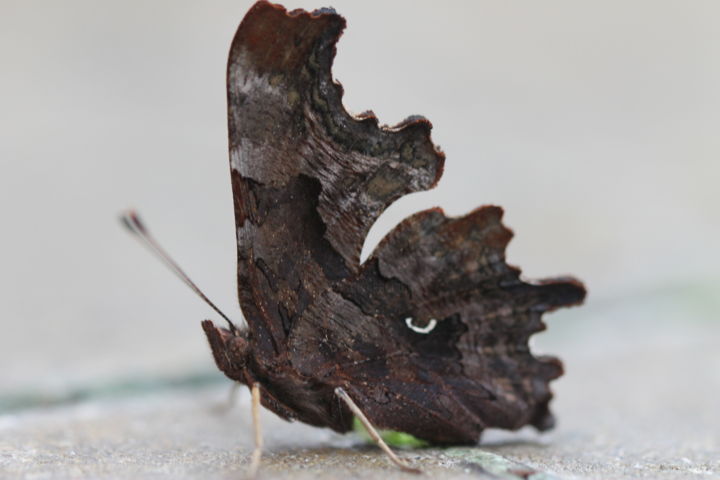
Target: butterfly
(429, 335)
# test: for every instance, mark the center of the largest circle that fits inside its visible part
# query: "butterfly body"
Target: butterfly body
(309, 180)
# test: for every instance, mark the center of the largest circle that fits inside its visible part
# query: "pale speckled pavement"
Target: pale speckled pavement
(626, 410)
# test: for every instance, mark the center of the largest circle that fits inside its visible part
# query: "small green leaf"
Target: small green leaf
(392, 438)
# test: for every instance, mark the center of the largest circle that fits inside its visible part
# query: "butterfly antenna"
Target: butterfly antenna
(131, 221)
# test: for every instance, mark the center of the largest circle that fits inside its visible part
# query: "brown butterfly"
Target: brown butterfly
(429, 335)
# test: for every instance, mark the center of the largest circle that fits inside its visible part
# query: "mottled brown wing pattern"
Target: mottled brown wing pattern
(474, 366)
(309, 180)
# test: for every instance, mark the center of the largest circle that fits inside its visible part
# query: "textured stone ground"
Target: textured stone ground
(639, 400)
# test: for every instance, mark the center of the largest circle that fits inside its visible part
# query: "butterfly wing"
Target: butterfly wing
(474, 369)
(309, 180)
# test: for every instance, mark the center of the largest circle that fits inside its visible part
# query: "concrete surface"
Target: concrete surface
(639, 400)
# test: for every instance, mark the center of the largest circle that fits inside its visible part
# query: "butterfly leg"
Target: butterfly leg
(257, 453)
(343, 395)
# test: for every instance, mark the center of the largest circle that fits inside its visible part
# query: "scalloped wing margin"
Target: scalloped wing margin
(286, 118)
(475, 369)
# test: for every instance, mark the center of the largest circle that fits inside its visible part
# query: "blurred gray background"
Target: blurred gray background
(594, 124)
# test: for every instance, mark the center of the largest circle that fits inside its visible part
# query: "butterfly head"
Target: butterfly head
(230, 349)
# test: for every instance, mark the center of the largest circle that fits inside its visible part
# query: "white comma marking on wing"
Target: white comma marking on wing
(426, 329)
